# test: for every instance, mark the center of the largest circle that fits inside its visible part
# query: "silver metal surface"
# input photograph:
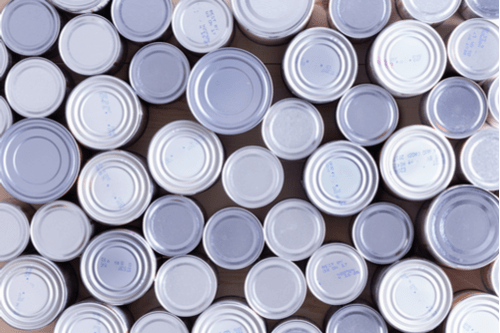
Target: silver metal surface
(296, 325)
(427, 11)
(476, 313)
(491, 90)
(490, 275)
(159, 321)
(5, 60)
(356, 318)
(487, 9)
(80, 6)
(6, 119)
(15, 234)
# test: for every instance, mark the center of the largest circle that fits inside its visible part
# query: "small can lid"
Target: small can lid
(185, 158)
(367, 114)
(159, 321)
(294, 229)
(479, 60)
(118, 267)
(494, 99)
(253, 177)
(357, 317)
(60, 230)
(320, 65)
(431, 12)
(417, 162)
(233, 238)
(341, 178)
(5, 59)
(214, 26)
(185, 285)
(89, 45)
(80, 6)
(477, 313)
(336, 274)
(15, 233)
(487, 9)
(6, 118)
(296, 326)
(292, 129)
(40, 160)
(173, 225)
(229, 91)
(35, 87)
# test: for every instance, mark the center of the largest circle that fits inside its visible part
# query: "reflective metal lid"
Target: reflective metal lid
(118, 267)
(33, 292)
(430, 11)
(6, 118)
(356, 318)
(320, 65)
(341, 178)
(80, 6)
(494, 99)
(29, 27)
(296, 326)
(476, 313)
(5, 59)
(89, 45)
(15, 233)
(336, 274)
(185, 158)
(214, 26)
(40, 160)
(233, 238)
(253, 177)
(473, 49)
(115, 187)
(35, 87)
(159, 321)
(495, 276)
(487, 9)
(185, 285)
(367, 114)
(292, 129)
(294, 229)
(417, 162)
(229, 91)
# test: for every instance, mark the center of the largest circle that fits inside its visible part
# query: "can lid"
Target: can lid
(341, 178)
(185, 285)
(173, 225)
(383, 233)
(294, 229)
(115, 187)
(185, 158)
(89, 44)
(6, 119)
(361, 317)
(35, 87)
(296, 326)
(229, 91)
(292, 129)
(159, 72)
(253, 177)
(159, 321)
(417, 162)
(495, 276)
(5, 59)
(431, 12)
(118, 267)
(79, 6)
(476, 313)
(15, 233)
(320, 65)
(214, 28)
(367, 114)
(60, 230)
(336, 274)
(478, 61)
(233, 238)
(487, 9)
(33, 292)
(494, 99)
(40, 160)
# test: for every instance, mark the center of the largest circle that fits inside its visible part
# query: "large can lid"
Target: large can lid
(476, 313)
(15, 233)
(80, 6)
(356, 318)
(487, 9)
(429, 11)
(159, 321)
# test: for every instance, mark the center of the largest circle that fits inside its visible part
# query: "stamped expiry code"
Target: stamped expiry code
(185, 148)
(105, 105)
(418, 295)
(120, 266)
(234, 330)
(208, 28)
(104, 177)
(334, 186)
(475, 42)
(429, 157)
(340, 264)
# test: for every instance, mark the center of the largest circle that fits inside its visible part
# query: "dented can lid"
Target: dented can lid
(15, 233)
(429, 11)
(159, 321)
(6, 118)
(80, 6)
(359, 317)
(296, 325)
(476, 313)
(487, 9)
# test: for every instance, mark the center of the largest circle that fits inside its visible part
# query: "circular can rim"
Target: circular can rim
(492, 98)
(290, 325)
(437, 17)
(5, 113)
(351, 308)
(478, 11)
(96, 6)
(470, 305)
(24, 224)
(155, 317)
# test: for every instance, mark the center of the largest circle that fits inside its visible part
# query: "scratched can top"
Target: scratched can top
(487, 9)
(336, 274)
(118, 267)
(115, 187)
(417, 162)
(473, 48)
(493, 94)
(364, 318)
(6, 119)
(296, 325)
(407, 58)
(159, 321)
(476, 313)
(15, 227)
(80, 6)
(202, 26)
(103, 112)
(430, 12)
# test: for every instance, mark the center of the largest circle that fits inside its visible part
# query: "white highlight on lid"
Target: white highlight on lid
(159, 321)
(80, 6)
(296, 325)
(430, 11)
(15, 231)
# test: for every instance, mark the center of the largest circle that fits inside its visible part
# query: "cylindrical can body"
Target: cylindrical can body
(487, 9)
(430, 12)
(491, 277)
(491, 89)
(360, 317)
(80, 6)
(159, 321)
(14, 223)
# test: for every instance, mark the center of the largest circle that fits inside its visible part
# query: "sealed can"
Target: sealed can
(295, 325)
(15, 235)
(487, 9)
(6, 118)
(159, 321)
(490, 275)
(357, 317)
(430, 12)
(80, 6)
(5, 60)
(491, 89)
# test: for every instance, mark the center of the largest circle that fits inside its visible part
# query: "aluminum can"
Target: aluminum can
(159, 321)
(359, 317)
(295, 325)
(15, 235)
(490, 275)
(5, 60)
(80, 6)
(6, 118)
(487, 9)
(491, 89)
(430, 12)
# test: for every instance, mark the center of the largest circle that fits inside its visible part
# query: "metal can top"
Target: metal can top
(15, 233)
(367, 114)
(407, 58)
(275, 288)
(142, 21)
(118, 267)
(417, 162)
(430, 11)
(233, 238)
(173, 225)
(320, 65)
(33, 292)
(487, 9)
(214, 26)
(89, 45)
(383, 233)
(5, 59)
(341, 178)
(336, 274)
(358, 317)
(229, 91)
(253, 177)
(115, 187)
(80, 6)
(495, 276)
(35, 87)
(6, 119)
(159, 321)
(294, 229)
(60, 230)
(40, 160)
(296, 326)
(185, 158)
(478, 60)
(292, 129)
(494, 99)
(185, 285)
(476, 313)
(452, 239)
